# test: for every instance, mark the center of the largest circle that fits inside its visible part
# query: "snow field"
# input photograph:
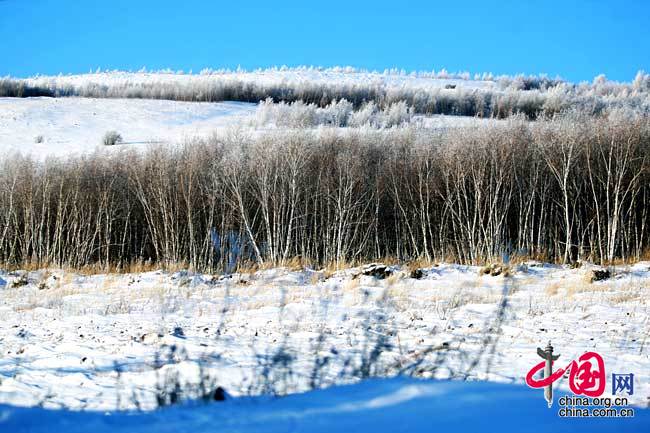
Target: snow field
(77, 125)
(111, 341)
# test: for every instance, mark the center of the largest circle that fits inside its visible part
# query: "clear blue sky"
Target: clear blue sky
(573, 39)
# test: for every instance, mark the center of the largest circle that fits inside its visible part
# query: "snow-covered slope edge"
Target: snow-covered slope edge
(62, 126)
(393, 405)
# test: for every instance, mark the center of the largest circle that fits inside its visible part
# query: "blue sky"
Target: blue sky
(573, 39)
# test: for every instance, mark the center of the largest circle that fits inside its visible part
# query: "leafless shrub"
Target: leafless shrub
(111, 138)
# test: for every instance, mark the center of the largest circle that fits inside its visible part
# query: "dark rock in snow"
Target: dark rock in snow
(219, 394)
(495, 270)
(600, 274)
(19, 282)
(376, 270)
(418, 274)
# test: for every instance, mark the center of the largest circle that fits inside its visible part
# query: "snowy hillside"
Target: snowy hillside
(268, 77)
(44, 126)
(76, 125)
(166, 106)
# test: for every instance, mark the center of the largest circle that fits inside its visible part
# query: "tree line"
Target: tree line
(571, 187)
(531, 96)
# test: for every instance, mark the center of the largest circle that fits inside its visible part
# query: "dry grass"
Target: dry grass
(552, 289)
(67, 278)
(24, 266)
(27, 301)
(394, 278)
(249, 267)
(583, 284)
(517, 259)
(296, 263)
(315, 278)
(139, 266)
(497, 269)
(328, 273)
(351, 285)
(332, 268)
(420, 263)
(108, 283)
(625, 296)
(258, 292)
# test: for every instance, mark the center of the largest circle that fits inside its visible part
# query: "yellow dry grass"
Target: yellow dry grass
(552, 289)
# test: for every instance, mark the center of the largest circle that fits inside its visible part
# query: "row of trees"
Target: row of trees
(339, 114)
(560, 189)
(533, 97)
(20, 89)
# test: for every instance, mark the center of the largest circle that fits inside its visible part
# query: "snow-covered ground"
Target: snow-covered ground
(378, 406)
(113, 341)
(77, 125)
(60, 127)
(339, 76)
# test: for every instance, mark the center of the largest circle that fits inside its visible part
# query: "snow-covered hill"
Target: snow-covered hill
(139, 105)
(338, 76)
(44, 126)
(76, 125)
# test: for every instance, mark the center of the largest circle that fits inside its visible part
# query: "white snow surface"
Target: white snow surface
(72, 126)
(44, 127)
(377, 406)
(77, 125)
(105, 342)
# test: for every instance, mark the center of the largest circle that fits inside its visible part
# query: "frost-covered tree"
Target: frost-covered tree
(111, 138)
(365, 116)
(642, 82)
